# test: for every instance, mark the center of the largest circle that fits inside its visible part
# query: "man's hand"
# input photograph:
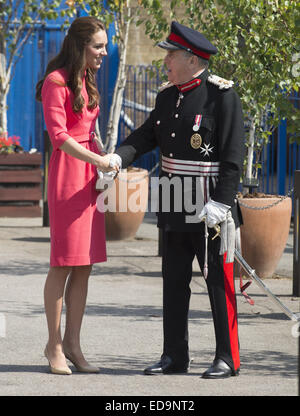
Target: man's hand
(214, 212)
(115, 163)
(115, 160)
(109, 162)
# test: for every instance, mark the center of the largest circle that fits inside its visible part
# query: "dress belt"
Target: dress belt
(89, 137)
(190, 167)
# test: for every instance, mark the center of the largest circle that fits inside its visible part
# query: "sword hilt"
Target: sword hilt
(217, 229)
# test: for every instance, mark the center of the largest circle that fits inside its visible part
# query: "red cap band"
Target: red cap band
(178, 39)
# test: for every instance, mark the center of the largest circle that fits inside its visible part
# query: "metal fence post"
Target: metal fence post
(296, 255)
(281, 157)
(296, 252)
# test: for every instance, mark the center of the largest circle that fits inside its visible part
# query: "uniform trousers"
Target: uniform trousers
(178, 252)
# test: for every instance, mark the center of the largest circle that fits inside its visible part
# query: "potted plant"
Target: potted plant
(256, 44)
(261, 60)
(9, 145)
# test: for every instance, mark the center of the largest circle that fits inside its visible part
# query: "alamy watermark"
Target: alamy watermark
(165, 195)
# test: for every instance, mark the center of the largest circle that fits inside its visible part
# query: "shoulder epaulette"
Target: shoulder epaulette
(222, 83)
(164, 86)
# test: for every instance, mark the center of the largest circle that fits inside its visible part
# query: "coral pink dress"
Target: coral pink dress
(77, 228)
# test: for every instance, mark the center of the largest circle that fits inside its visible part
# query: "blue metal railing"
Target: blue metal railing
(139, 99)
(25, 118)
(280, 159)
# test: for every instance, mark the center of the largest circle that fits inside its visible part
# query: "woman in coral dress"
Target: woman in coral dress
(71, 106)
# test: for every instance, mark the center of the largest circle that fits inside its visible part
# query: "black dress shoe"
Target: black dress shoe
(166, 366)
(219, 369)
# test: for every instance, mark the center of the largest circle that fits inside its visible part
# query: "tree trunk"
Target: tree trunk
(250, 152)
(3, 113)
(3, 88)
(116, 106)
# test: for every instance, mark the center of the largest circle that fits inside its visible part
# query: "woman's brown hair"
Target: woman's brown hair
(72, 58)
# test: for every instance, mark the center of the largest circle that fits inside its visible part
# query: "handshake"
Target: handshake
(106, 177)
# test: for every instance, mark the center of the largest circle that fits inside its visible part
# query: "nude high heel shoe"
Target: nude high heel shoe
(57, 370)
(81, 368)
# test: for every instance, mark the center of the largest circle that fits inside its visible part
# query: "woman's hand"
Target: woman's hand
(105, 163)
(102, 163)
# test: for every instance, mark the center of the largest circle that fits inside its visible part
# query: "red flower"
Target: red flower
(9, 144)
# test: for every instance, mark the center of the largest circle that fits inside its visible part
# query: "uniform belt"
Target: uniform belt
(190, 167)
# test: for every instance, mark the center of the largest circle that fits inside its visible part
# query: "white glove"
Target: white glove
(106, 178)
(115, 160)
(214, 212)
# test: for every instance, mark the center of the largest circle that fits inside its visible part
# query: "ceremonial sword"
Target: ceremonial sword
(252, 274)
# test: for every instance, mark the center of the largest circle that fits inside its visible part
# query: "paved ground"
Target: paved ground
(122, 329)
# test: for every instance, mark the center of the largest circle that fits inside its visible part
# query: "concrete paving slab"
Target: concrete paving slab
(122, 327)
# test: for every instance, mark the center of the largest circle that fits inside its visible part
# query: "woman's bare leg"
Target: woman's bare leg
(53, 298)
(75, 300)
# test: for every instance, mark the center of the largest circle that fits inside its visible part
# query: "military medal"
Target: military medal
(206, 149)
(196, 139)
(197, 122)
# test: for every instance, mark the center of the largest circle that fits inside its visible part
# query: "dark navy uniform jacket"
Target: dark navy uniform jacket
(171, 128)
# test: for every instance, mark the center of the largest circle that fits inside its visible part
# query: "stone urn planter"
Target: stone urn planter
(20, 184)
(265, 231)
(125, 203)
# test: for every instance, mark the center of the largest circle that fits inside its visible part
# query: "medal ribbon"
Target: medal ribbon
(197, 122)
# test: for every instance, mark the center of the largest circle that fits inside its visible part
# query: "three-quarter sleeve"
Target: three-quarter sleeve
(54, 95)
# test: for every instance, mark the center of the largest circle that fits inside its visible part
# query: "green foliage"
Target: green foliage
(18, 20)
(116, 11)
(258, 45)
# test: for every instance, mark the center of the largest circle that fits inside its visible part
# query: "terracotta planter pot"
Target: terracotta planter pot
(265, 232)
(20, 185)
(127, 202)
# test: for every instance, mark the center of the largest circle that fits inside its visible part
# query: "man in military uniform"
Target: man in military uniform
(197, 122)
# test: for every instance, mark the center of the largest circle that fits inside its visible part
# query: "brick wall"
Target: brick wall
(141, 49)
